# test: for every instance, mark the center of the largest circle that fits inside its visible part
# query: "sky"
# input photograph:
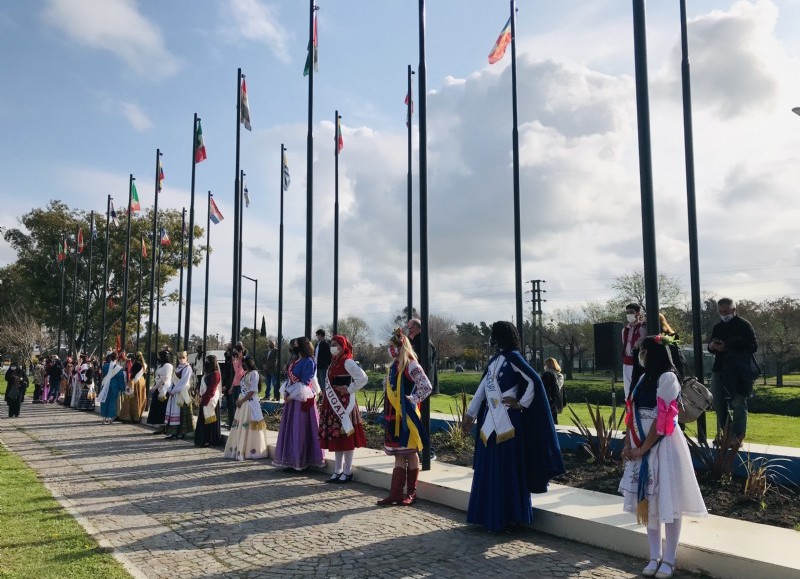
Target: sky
(92, 88)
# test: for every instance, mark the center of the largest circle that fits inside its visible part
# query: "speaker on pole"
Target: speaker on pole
(608, 346)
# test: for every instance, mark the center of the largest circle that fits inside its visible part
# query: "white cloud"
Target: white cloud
(257, 21)
(116, 26)
(136, 116)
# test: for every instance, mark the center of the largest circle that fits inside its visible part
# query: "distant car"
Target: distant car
(459, 368)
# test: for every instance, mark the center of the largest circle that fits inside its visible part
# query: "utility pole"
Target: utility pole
(536, 322)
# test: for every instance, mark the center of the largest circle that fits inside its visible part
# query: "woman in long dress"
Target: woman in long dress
(298, 434)
(340, 428)
(247, 438)
(406, 386)
(75, 387)
(516, 448)
(135, 398)
(159, 393)
(113, 385)
(659, 482)
(207, 432)
(88, 394)
(179, 403)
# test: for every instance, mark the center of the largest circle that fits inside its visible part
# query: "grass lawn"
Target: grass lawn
(39, 538)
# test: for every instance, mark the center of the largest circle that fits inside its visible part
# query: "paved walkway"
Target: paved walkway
(168, 509)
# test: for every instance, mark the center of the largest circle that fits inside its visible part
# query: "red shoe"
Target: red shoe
(411, 487)
(396, 493)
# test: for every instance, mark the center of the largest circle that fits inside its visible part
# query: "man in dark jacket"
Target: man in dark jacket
(733, 343)
(54, 374)
(322, 355)
(16, 384)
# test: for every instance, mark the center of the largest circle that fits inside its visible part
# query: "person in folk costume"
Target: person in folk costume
(207, 432)
(159, 393)
(298, 434)
(516, 446)
(38, 381)
(406, 386)
(340, 428)
(247, 438)
(659, 482)
(135, 399)
(75, 385)
(179, 401)
(88, 394)
(114, 379)
(65, 383)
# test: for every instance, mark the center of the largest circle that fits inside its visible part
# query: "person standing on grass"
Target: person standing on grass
(340, 428)
(659, 482)
(516, 447)
(406, 386)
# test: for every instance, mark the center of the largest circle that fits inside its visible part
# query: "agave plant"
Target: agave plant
(599, 445)
(763, 475)
(716, 459)
(455, 433)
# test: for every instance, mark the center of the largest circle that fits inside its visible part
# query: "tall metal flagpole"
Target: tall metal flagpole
(409, 185)
(255, 313)
(424, 355)
(237, 281)
(139, 296)
(645, 166)
(105, 283)
(694, 261)
(191, 245)
(126, 269)
(158, 291)
(280, 263)
(156, 249)
(336, 136)
(515, 153)
(310, 172)
(88, 285)
(242, 175)
(208, 269)
(61, 264)
(180, 288)
(72, 312)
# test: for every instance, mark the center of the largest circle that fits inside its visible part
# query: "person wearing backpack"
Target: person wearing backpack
(554, 387)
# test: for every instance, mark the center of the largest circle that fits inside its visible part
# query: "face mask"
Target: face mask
(631, 318)
(727, 318)
(335, 350)
(392, 351)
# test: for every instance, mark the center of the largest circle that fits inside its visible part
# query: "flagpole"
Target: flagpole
(180, 289)
(237, 282)
(72, 313)
(280, 265)
(139, 298)
(191, 244)
(310, 171)
(155, 245)
(88, 285)
(62, 264)
(105, 282)
(158, 292)
(126, 267)
(336, 137)
(424, 355)
(208, 266)
(241, 229)
(409, 185)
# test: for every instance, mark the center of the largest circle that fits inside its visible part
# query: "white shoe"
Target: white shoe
(651, 569)
(665, 570)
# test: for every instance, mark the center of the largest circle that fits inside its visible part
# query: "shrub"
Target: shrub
(599, 446)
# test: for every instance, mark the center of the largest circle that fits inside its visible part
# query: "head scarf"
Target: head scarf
(337, 364)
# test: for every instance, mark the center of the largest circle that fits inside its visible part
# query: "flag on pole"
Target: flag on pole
(287, 180)
(339, 138)
(60, 252)
(144, 247)
(199, 145)
(245, 193)
(244, 116)
(114, 219)
(164, 237)
(135, 205)
(65, 250)
(313, 49)
(80, 240)
(502, 43)
(214, 213)
(94, 229)
(160, 176)
(409, 101)
(124, 260)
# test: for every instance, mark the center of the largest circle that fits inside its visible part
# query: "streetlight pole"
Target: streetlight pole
(255, 313)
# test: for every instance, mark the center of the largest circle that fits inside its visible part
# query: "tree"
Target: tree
(571, 333)
(442, 332)
(776, 323)
(357, 331)
(21, 333)
(630, 288)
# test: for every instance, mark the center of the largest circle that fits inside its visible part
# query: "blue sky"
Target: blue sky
(92, 88)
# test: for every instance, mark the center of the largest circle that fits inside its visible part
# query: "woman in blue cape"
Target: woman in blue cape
(114, 379)
(516, 447)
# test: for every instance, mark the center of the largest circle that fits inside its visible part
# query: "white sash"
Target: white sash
(139, 375)
(256, 415)
(113, 371)
(497, 419)
(209, 410)
(341, 411)
(166, 380)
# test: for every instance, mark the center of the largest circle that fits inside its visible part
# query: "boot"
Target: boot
(398, 482)
(411, 487)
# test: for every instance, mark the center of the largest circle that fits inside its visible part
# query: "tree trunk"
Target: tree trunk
(778, 372)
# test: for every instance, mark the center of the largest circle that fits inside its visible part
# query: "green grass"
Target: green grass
(39, 538)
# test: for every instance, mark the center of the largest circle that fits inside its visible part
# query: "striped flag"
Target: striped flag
(80, 240)
(287, 180)
(164, 237)
(113, 215)
(245, 193)
(502, 43)
(313, 48)
(214, 213)
(199, 144)
(160, 176)
(244, 116)
(409, 101)
(339, 138)
(135, 205)
(144, 247)
(94, 229)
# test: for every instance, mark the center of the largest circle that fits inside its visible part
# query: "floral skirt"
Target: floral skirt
(247, 439)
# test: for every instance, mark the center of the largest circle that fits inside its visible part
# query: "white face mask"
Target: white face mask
(335, 350)
(727, 318)
(631, 318)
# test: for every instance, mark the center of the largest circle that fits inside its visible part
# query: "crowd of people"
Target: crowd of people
(513, 411)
